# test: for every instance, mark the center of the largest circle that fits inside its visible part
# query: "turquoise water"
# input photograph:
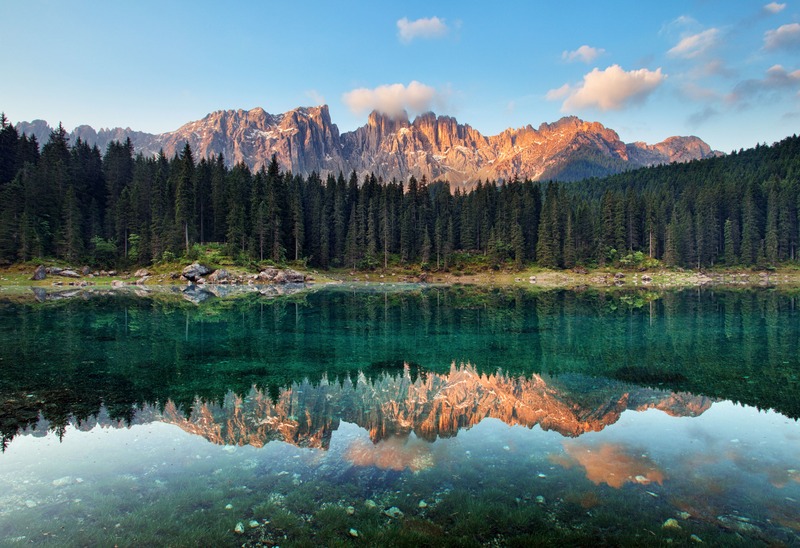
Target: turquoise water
(484, 417)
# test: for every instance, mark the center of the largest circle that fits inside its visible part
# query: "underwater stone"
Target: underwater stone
(539, 499)
(353, 533)
(394, 512)
(671, 523)
(370, 504)
(350, 510)
(695, 538)
(253, 524)
(684, 515)
(239, 529)
(60, 482)
(422, 504)
(31, 503)
(229, 506)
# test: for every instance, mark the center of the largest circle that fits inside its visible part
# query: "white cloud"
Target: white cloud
(776, 79)
(393, 99)
(584, 54)
(784, 37)
(774, 7)
(315, 96)
(426, 27)
(695, 44)
(609, 89)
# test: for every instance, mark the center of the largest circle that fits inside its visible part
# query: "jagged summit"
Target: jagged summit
(305, 140)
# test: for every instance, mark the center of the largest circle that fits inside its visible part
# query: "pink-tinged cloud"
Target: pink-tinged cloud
(695, 45)
(609, 89)
(784, 37)
(774, 7)
(584, 54)
(393, 99)
(426, 27)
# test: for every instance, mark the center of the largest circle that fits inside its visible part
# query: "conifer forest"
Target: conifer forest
(74, 202)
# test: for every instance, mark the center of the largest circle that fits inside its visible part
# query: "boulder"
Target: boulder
(268, 274)
(293, 276)
(69, 274)
(40, 273)
(219, 276)
(141, 273)
(195, 271)
(54, 270)
(85, 270)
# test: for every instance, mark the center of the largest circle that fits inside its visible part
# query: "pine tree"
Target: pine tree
(184, 199)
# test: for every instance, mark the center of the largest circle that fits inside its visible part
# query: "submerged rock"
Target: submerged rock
(350, 510)
(671, 523)
(353, 533)
(239, 529)
(394, 512)
(370, 504)
(253, 524)
(422, 504)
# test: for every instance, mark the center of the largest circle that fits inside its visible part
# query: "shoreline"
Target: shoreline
(16, 280)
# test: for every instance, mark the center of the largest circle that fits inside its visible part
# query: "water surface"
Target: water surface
(483, 417)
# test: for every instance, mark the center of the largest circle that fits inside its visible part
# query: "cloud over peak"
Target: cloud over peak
(393, 99)
(609, 89)
(585, 54)
(425, 27)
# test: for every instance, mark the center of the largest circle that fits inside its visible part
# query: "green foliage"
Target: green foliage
(743, 209)
(104, 251)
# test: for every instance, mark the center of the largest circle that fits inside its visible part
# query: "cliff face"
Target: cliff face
(431, 406)
(305, 140)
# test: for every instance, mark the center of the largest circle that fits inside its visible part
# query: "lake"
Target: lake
(404, 415)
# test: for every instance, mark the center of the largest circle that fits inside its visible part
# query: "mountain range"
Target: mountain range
(305, 140)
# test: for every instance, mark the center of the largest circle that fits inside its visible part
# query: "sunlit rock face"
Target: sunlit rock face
(305, 140)
(430, 406)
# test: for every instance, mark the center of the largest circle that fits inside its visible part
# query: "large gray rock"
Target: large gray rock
(195, 271)
(69, 274)
(219, 276)
(40, 273)
(293, 276)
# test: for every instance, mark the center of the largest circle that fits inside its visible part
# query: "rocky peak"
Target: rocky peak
(437, 147)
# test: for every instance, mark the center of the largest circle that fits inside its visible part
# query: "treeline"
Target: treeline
(74, 202)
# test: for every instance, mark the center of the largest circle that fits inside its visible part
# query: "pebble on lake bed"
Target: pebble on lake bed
(671, 523)
(253, 524)
(370, 504)
(239, 529)
(229, 506)
(394, 512)
(539, 499)
(350, 510)
(422, 504)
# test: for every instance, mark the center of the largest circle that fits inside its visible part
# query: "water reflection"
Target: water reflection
(507, 417)
(391, 406)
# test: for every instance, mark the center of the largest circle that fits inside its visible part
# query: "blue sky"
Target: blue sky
(726, 71)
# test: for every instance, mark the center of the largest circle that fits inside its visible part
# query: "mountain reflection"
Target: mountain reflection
(394, 405)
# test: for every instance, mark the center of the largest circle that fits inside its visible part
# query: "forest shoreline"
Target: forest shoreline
(19, 276)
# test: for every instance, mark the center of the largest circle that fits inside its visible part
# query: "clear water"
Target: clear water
(485, 417)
